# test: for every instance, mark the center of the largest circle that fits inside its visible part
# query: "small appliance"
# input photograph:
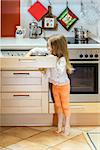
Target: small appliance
(34, 30)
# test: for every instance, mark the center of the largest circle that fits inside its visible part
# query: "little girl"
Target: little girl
(60, 82)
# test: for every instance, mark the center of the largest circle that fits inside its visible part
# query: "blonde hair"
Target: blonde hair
(58, 44)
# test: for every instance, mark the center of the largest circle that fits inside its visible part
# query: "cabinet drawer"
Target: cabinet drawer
(21, 74)
(21, 77)
(21, 99)
(16, 103)
(20, 81)
(29, 63)
(80, 107)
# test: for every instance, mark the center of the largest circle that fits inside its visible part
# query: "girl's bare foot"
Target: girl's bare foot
(58, 131)
(66, 131)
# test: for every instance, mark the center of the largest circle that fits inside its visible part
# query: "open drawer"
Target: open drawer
(28, 62)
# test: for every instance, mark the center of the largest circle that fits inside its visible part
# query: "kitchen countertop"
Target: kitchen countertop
(26, 43)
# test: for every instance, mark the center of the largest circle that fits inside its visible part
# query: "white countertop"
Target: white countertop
(26, 43)
(22, 43)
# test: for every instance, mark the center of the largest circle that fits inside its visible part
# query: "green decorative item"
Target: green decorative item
(67, 18)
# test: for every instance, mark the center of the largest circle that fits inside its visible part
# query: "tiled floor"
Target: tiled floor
(42, 138)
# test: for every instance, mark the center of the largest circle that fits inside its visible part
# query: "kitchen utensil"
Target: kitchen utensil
(37, 10)
(80, 33)
(34, 30)
(20, 32)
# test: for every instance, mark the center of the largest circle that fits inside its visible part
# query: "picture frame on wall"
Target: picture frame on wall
(49, 21)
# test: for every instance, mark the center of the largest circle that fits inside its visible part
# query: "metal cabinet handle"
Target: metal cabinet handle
(27, 60)
(21, 95)
(21, 73)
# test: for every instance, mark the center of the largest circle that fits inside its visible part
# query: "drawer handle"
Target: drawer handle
(27, 60)
(21, 95)
(20, 73)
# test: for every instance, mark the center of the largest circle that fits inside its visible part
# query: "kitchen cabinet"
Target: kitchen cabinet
(80, 108)
(10, 17)
(0, 90)
(24, 92)
(25, 103)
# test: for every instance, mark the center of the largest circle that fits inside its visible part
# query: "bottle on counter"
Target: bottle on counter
(20, 32)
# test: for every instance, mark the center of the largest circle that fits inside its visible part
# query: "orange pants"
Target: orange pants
(61, 96)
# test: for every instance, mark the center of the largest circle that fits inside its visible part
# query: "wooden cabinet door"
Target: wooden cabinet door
(10, 17)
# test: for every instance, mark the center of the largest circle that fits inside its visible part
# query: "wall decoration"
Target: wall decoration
(67, 18)
(37, 10)
(49, 23)
(49, 20)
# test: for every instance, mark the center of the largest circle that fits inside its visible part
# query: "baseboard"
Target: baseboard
(82, 119)
(47, 119)
(26, 120)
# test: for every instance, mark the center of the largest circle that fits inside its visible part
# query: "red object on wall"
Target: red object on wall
(37, 10)
(10, 17)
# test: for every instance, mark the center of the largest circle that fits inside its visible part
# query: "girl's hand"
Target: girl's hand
(28, 54)
(43, 70)
(70, 71)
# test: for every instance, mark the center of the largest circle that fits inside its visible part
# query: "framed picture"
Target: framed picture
(48, 22)
(67, 18)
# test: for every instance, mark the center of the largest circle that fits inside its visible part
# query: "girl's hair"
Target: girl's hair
(58, 44)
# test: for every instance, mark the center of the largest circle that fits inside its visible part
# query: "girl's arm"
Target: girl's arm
(61, 65)
(29, 53)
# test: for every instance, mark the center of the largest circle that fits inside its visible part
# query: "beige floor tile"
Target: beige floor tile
(22, 132)
(50, 138)
(27, 145)
(80, 138)
(41, 128)
(4, 128)
(73, 144)
(6, 140)
(69, 145)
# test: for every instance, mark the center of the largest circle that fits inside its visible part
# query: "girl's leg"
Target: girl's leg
(58, 107)
(67, 125)
(65, 94)
(60, 121)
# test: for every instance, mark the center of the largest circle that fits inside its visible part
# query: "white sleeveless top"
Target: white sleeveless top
(58, 75)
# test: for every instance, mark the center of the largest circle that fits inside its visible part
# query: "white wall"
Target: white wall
(57, 7)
